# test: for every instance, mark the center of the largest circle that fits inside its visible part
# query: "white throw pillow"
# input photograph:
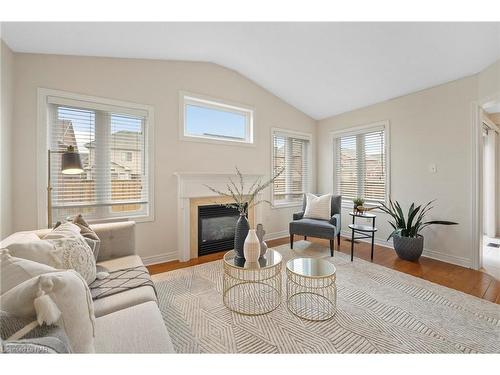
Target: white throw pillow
(18, 237)
(35, 250)
(318, 207)
(62, 248)
(62, 298)
(14, 271)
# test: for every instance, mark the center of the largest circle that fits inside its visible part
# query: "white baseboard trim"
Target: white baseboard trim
(447, 258)
(437, 255)
(377, 241)
(160, 258)
(276, 235)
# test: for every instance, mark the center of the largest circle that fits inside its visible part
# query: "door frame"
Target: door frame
(477, 178)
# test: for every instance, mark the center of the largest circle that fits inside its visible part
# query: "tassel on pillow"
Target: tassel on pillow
(101, 275)
(46, 309)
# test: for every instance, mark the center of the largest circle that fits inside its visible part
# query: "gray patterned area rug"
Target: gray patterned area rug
(379, 310)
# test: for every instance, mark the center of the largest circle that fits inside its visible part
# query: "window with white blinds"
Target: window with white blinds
(113, 145)
(291, 152)
(360, 165)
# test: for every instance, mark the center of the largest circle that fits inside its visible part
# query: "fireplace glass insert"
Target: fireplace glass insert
(216, 226)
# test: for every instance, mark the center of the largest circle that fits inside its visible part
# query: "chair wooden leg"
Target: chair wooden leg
(291, 241)
(338, 241)
(332, 242)
(305, 238)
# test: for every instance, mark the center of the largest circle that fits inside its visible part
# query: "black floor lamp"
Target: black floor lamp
(71, 164)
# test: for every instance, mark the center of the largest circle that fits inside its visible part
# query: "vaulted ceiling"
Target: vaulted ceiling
(322, 69)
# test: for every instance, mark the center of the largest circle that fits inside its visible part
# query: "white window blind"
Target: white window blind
(361, 165)
(290, 152)
(111, 185)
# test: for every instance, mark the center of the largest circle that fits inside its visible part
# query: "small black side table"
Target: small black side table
(364, 231)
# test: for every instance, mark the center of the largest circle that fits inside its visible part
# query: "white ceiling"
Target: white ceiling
(322, 69)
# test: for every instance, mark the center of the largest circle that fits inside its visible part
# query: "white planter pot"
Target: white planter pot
(251, 248)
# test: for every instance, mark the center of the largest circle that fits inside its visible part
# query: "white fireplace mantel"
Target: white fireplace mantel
(192, 185)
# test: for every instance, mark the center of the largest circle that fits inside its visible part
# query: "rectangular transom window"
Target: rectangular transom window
(360, 163)
(113, 145)
(290, 151)
(210, 120)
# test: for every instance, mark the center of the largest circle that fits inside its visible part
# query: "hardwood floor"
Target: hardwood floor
(476, 283)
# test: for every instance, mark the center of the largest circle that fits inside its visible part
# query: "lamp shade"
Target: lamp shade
(71, 162)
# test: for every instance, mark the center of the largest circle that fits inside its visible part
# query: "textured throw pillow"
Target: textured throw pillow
(40, 339)
(62, 248)
(14, 271)
(93, 244)
(61, 298)
(90, 236)
(318, 207)
(63, 231)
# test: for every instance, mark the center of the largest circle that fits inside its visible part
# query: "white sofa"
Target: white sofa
(130, 321)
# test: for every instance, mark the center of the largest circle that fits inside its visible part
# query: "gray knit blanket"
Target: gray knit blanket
(121, 280)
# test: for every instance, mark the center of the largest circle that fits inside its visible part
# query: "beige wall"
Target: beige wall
(432, 126)
(7, 91)
(428, 127)
(489, 83)
(155, 83)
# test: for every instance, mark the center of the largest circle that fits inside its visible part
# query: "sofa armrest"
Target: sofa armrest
(298, 215)
(335, 220)
(117, 239)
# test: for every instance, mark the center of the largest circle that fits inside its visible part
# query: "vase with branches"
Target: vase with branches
(243, 199)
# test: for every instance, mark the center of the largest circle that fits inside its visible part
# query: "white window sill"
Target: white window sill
(286, 205)
(217, 141)
(137, 219)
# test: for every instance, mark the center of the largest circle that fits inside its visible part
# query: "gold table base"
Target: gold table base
(252, 290)
(311, 298)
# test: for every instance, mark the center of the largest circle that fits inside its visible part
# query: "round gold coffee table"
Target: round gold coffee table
(252, 288)
(310, 288)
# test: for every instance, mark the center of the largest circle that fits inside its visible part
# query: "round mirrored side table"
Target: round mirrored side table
(311, 289)
(252, 288)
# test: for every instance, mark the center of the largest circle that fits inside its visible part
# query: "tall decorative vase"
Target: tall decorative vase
(260, 234)
(240, 235)
(251, 248)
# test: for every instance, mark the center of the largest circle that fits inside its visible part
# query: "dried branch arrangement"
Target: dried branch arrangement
(243, 201)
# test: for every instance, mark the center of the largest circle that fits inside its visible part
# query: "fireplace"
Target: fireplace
(192, 193)
(216, 226)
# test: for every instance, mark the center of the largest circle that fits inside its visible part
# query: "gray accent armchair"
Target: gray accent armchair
(327, 229)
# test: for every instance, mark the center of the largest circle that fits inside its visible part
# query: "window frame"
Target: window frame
(204, 101)
(362, 129)
(96, 103)
(125, 156)
(295, 134)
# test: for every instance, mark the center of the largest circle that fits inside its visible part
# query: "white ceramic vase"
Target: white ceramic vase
(251, 248)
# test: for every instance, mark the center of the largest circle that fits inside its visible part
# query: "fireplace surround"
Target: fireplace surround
(192, 193)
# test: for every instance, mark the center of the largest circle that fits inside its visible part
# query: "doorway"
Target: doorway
(490, 158)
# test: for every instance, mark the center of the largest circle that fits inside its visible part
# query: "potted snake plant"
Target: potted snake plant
(408, 242)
